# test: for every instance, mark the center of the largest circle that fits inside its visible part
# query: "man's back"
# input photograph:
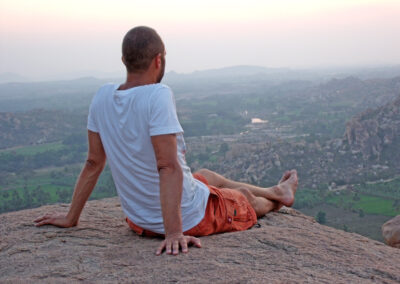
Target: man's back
(126, 120)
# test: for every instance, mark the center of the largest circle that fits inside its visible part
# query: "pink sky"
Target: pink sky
(42, 38)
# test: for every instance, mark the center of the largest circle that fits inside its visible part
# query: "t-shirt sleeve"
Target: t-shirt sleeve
(163, 117)
(91, 121)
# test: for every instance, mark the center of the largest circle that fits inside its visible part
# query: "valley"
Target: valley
(341, 134)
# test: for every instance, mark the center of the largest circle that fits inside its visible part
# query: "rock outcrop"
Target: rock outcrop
(371, 130)
(286, 247)
(391, 232)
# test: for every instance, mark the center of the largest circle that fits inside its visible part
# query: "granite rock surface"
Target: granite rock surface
(286, 247)
(391, 232)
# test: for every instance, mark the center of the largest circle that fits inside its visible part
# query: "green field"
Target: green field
(369, 204)
(308, 198)
(350, 201)
(390, 189)
(377, 205)
(353, 211)
(48, 186)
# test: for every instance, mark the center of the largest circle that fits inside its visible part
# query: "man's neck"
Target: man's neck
(136, 80)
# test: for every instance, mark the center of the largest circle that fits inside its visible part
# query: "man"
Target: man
(135, 126)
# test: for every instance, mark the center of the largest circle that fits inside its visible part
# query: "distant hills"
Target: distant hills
(12, 77)
(310, 103)
(240, 70)
(268, 73)
(70, 94)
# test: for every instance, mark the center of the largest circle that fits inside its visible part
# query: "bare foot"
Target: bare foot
(285, 176)
(286, 190)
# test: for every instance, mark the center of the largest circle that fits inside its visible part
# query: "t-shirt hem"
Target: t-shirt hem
(161, 131)
(93, 129)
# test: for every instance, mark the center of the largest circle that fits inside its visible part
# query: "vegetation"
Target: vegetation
(321, 217)
(43, 138)
(368, 204)
(354, 201)
(307, 198)
(50, 186)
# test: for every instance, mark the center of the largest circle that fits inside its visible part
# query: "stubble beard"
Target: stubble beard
(162, 70)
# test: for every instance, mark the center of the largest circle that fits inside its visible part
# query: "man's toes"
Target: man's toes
(293, 174)
(285, 176)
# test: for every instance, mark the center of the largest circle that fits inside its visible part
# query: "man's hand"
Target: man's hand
(172, 243)
(55, 219)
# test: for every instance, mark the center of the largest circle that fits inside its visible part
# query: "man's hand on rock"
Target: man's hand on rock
(172, 243)
(55, 219)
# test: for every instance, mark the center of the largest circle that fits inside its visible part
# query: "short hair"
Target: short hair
(139, 47)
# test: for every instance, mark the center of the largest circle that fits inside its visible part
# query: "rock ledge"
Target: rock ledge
(287, 247)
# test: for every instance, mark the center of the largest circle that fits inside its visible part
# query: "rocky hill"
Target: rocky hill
(354, 92)
(372, 131)
(367, 151)
(286, 247)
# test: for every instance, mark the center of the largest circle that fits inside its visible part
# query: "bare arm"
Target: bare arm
(170, 182)
(171, 178)
(84, 186)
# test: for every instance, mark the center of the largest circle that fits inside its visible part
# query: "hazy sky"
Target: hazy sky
(45, 38)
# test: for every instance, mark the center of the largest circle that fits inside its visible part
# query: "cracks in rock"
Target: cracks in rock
(279, 246)
(5, 247)
(384, 274)
(360, 274)
(18, 251)
(230, 261)
(91, 244)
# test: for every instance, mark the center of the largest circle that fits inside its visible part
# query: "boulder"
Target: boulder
(286, 247)
(391, 232)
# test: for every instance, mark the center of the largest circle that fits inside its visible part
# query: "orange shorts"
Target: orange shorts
(227, 210)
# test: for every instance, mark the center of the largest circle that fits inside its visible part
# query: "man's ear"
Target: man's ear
(123, 60)
(158, 60)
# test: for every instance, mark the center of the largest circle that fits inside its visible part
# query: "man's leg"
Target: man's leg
(260, 205)
(263, 200)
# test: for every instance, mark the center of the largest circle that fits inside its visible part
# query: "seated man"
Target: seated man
(136, 127)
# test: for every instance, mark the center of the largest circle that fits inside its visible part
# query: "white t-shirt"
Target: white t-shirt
(126, 120)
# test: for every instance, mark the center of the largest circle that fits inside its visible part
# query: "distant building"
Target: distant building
(258, 120)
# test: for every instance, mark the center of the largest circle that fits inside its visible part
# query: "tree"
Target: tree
(41, 196)
(321, 217)
(16, 201)
(64, 195)
(223, 148)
